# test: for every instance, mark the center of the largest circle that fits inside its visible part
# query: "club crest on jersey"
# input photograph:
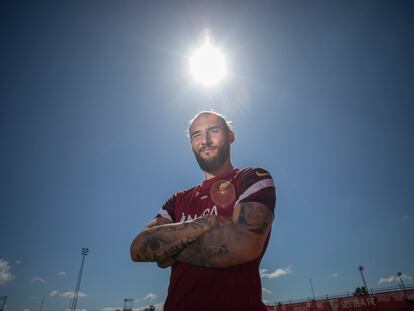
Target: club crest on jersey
(223, 186)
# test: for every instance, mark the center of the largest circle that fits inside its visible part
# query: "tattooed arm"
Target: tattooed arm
(161, 240)
(232, 244)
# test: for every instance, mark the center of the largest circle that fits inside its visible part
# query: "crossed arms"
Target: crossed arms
(210, 241)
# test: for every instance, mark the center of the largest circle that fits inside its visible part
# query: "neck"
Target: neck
(226, 167)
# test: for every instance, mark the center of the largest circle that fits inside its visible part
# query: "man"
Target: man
(214, 248)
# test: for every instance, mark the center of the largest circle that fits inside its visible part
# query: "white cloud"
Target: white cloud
(19, 262)
(53, 293)
(38, 279)
(62, 273)
(394, 278)
(264, 273)
(5, 274)
(334, 275)
(265, 301)
(265, 290)
(71, 294)
(150, 297)
(26, 310)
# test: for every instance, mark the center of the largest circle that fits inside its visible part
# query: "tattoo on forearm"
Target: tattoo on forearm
(255, 219)
(159, 246)
(200, 254)
(174, 250)
(199, 223)
(222, 245)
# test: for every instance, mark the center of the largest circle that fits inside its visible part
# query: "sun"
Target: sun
(208, 65)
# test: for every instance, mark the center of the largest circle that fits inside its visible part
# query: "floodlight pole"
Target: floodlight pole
(84, 253)
(361, 268)
(41, 304)
(401, 281)
(313, 292)
(3, 300)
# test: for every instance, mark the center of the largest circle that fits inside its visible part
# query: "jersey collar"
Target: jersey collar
(209, 182)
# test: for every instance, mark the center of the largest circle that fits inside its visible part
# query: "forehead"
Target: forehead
(205, 121)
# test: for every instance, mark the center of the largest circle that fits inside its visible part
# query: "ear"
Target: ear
(231, 136)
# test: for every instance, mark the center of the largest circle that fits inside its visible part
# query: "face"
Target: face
(210, 142)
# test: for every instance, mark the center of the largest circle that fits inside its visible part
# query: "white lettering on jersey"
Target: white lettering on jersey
(206, 212)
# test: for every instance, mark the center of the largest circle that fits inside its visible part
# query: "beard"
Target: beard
(214, 163)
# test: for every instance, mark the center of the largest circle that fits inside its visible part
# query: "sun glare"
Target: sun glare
(207, 65)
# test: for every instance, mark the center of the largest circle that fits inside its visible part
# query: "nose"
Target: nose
(205, 138)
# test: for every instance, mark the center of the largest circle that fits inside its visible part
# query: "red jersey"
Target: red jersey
(215, 289)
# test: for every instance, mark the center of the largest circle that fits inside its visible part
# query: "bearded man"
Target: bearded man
(215, 234)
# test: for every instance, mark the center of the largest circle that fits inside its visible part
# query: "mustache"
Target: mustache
(207, 147)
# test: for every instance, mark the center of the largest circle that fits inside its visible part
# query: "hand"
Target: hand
(221, 221)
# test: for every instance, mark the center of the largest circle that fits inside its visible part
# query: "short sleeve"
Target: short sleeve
(168, 209)
(256, 185)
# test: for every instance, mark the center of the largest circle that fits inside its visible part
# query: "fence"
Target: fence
(384, 299)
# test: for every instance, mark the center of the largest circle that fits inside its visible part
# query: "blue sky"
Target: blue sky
(95, 98)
